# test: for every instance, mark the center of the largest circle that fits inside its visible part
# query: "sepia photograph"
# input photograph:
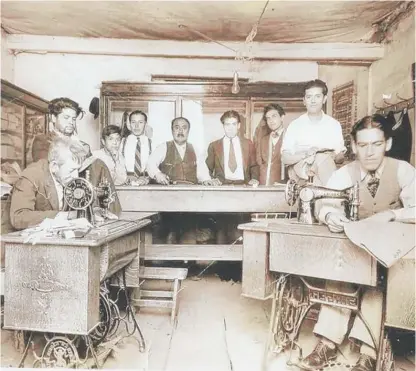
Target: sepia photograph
(217, 185)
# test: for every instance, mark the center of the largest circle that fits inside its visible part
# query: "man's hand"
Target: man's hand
(383, 217)
(312, 151)
(143, 180)
(101, 215)
(162, 178)
(253, 182)
(212, 182)
(339, 158)
(336, 221)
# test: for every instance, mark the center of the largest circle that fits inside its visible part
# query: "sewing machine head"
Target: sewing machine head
(307, 194)
(81, 195)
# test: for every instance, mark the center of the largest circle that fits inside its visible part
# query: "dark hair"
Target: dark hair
(138, 112)
(110, 129)
(125, 132)
(316, 84)
(56, 106)
(180, 118)
(230, 114)
(371, 122)
(273, 107)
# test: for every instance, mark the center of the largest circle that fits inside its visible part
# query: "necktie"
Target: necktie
(232, 162)
(372, 183)
(137, 160)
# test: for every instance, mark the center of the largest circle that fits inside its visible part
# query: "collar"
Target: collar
(231, 139)
(55, 181)
(379, 171)
(279, 132)
(315, 122)
(180, 145)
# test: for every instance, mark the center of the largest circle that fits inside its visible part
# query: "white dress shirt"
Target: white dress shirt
(238, 174)
(158, 156)
(406, 175)
(303, 134)
(129, 151)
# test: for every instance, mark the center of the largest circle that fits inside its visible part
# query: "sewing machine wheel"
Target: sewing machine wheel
(79, 194)
(101, 331)
(291, 297)
(59, 352)
(291, 192)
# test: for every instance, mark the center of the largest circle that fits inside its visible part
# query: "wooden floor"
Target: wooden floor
(216, 330)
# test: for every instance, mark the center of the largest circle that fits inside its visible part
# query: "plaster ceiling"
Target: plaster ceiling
(283, 21)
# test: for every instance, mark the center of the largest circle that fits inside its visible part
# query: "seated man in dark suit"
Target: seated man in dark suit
(38, 194)
(232, 160)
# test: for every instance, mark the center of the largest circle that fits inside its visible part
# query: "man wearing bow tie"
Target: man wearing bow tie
(269, 146)
(387, 193)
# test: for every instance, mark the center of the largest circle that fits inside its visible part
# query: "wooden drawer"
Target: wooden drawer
(313, 251)
(52, 288)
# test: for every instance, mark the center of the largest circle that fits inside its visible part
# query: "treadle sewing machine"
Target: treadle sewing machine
(60, 287)
(298, 249)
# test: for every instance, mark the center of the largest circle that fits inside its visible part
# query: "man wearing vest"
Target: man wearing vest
(177, 162)
(269, 146)
(387, 193)
(313, 143)
(232, 160)
(136, 148)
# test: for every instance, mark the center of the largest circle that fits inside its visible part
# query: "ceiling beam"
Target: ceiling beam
(184, 49)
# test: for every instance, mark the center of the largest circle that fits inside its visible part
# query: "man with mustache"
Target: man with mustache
(177, 162)
(313, 143)
(63, 113)
(111, 155)
(386, 193)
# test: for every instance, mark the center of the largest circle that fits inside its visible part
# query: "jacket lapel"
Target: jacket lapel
(50, 190)
(219, 148)
(277, 147)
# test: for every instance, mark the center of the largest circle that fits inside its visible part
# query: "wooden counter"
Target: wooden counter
(202, 199)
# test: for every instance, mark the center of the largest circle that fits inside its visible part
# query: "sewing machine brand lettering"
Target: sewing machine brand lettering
(325, 297)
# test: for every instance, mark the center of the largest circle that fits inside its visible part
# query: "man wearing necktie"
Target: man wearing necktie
(136, 148)
(269, 146)
(387, 193)
(232, 160)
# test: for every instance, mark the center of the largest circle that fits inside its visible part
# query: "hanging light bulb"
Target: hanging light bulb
(235, 89)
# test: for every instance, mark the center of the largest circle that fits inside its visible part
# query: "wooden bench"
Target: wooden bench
(161, 298)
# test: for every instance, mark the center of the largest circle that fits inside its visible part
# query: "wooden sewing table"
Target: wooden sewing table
(54, 285)
(200, 199)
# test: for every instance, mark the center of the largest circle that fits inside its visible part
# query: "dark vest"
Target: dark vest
(388, 193)
(176, 168)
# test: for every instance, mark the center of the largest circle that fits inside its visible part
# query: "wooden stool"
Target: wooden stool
(161, 298)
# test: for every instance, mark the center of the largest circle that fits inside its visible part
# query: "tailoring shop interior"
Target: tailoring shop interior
(243, 290)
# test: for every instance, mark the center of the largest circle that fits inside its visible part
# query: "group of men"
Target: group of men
(311, 146)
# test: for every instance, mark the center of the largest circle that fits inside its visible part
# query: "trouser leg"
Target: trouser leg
(333, 322)
(371, 310)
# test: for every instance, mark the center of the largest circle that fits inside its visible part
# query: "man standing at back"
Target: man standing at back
(232, 159)
(269, 146)
(313, 143)
(136, 148)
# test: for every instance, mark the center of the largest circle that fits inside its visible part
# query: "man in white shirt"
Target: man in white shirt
(313, 143)
(387, 193)
(136, 148)
(111, 155)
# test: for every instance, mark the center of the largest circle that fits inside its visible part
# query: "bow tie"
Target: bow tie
(274, 134)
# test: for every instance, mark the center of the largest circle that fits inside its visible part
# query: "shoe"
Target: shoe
(320, 356)
(365, 363)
